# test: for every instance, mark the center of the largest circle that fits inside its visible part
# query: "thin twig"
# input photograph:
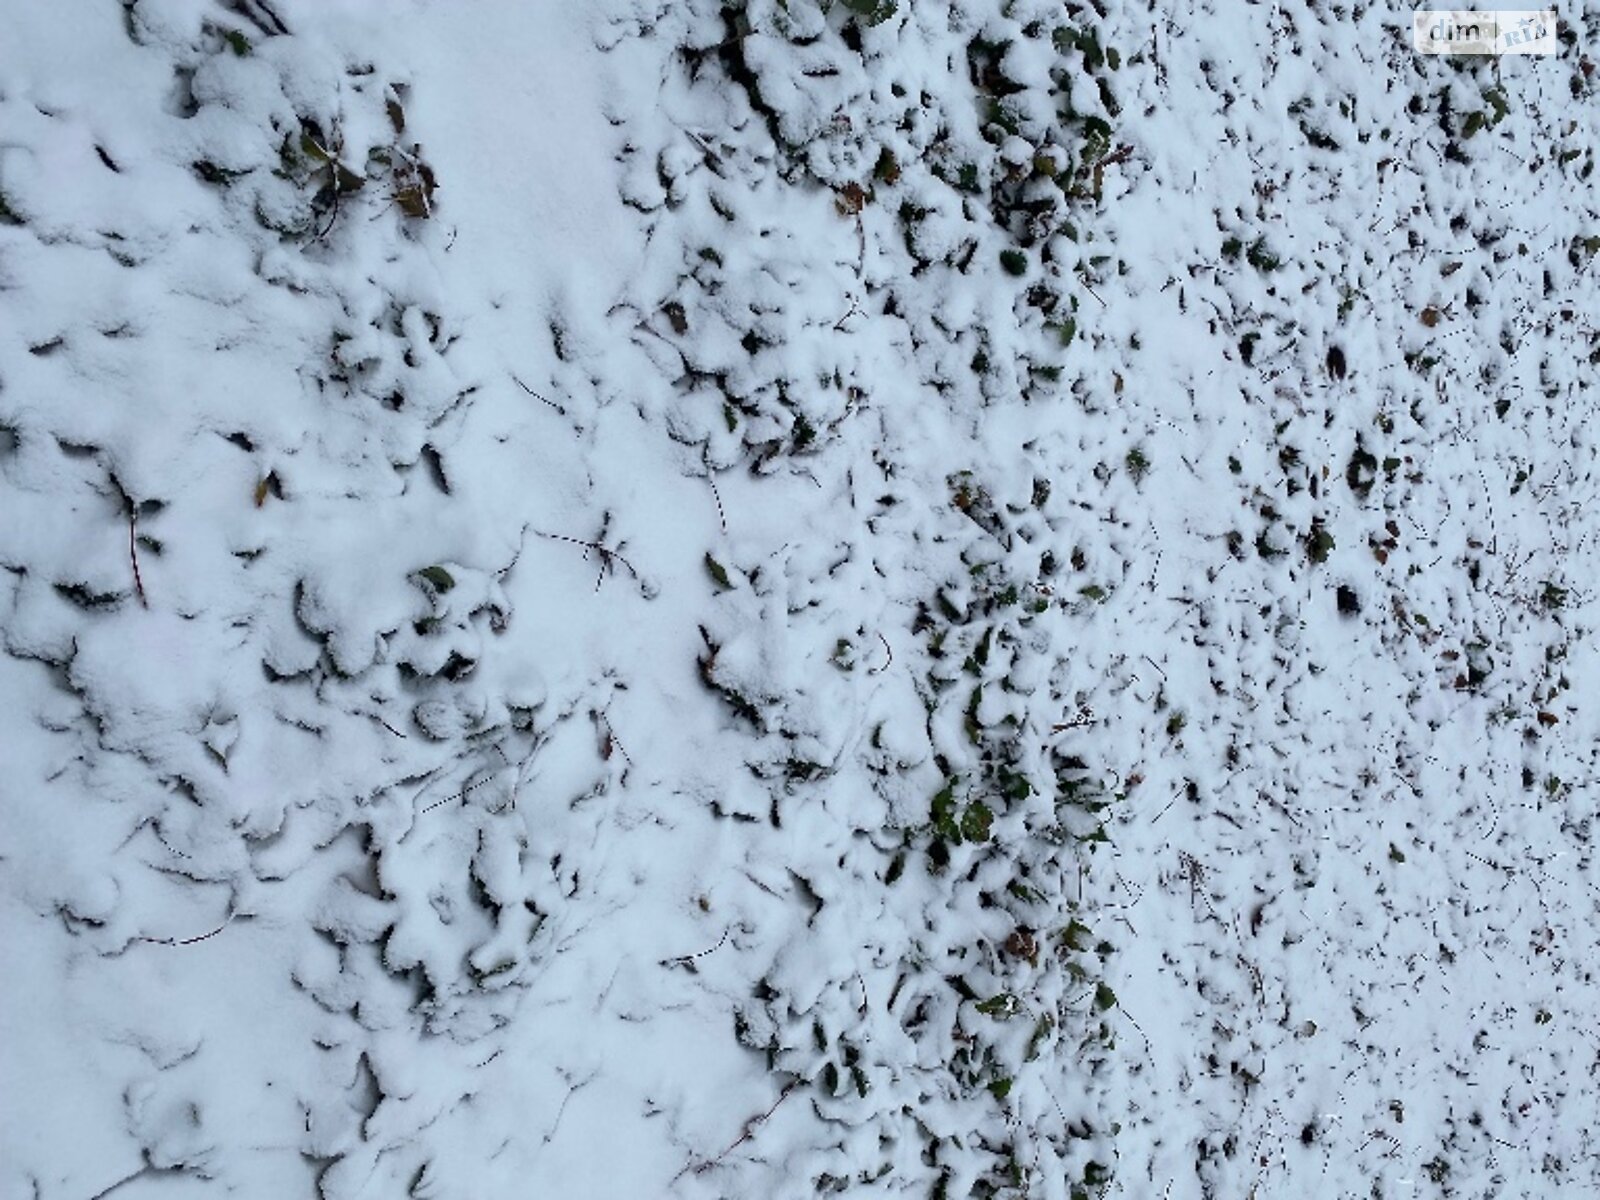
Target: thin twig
(133, 553)
(386, 725)
(612, 739)
(684, 960)
(333, 161)
(607, 555)
(1085, 717)
(537, 396)
(572, 1090)
(516, 783)
(461, 795)
(722, 516)
(187, 941)
(886, 650)
(750, 1127)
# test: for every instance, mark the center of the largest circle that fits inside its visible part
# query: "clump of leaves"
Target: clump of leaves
(414, 183)
(955, 824)
(1262, 259)
(317, 162)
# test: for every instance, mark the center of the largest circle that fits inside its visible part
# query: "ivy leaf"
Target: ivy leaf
(976, 823)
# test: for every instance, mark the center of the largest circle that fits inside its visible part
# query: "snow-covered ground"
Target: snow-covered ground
(895, 597)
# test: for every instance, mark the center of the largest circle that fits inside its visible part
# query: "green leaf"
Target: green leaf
(872, 12)
(1262, 259)
(944, 813)
(804, 432)
(982, 652)
(1001, 1007)
(976, 822)
(718, 572)
(1319, 543)
(1015, 262)
(347, 180)
(896, 868)
(440, 579)
(1077, 935)
(1497, 101)
(1104, 997)
(1014, 786)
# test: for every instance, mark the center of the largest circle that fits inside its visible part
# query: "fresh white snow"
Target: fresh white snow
(888, 597)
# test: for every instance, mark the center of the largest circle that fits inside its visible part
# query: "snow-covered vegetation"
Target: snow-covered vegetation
(774, 598)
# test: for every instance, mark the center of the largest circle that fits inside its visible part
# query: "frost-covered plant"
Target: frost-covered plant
(964, 146)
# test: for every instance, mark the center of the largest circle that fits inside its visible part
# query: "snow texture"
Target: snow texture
(779, 598)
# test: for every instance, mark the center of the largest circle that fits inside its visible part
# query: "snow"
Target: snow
(901, 598)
